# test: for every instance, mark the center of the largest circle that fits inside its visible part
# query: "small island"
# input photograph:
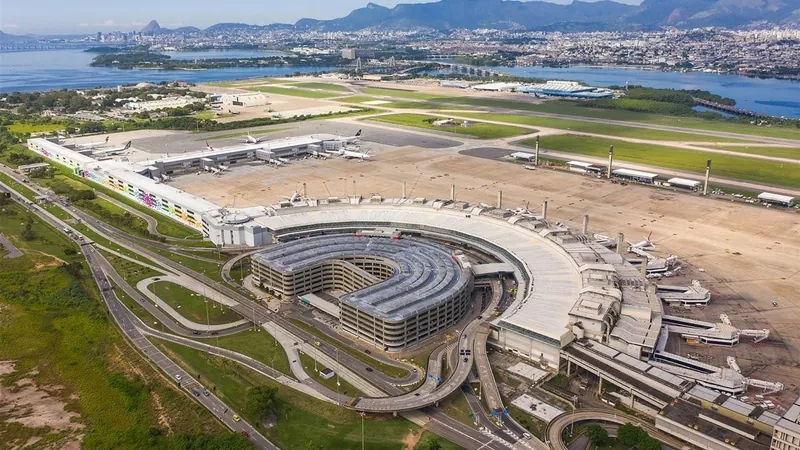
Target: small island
(152, 60)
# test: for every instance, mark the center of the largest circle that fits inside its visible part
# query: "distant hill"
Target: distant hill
(6, 38)
(153, 28)
(579, 15)
(471, 14)
(717, 13)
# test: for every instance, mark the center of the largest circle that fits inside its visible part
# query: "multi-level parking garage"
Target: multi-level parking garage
(568, 288)
(396, 292)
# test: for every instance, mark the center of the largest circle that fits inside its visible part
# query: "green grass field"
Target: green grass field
(392, 371)
(210, 269)
(427, 437)
(191, 305)
(344, 387)
(129, 270)
(324, 86)
(258, 345)
(303, 422)
(279, 90)
(53, 326)
(27, 128)
(781, 152)
(409, 95)
(399, 104)
(738, 167)
(596, 128)
(25, 191)
(572, 108)
(476, 130)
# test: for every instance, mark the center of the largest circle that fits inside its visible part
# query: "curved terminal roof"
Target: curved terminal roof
(424, 276)
(553, 281)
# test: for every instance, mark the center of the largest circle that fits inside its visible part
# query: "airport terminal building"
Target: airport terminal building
(568, 287)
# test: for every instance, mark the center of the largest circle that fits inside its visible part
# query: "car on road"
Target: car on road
(214, 333)
(196, 392)
(526, 436)
(195, 332)
(367, 352)
(236, 418)
(156, 279)
(178, 376)
(206, 393)
(369, 369)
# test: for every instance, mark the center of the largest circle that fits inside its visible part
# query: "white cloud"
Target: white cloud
(9, 25)
(108, 23)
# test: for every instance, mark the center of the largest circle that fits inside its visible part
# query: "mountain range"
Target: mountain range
(538, 15)
(154, 28)
(530, 15)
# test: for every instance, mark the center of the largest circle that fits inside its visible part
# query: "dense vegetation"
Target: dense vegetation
(502, 58)
(669, 102)
(679, 96)
(70, 101)
(55, 329)
(129, 60)
(164, 62)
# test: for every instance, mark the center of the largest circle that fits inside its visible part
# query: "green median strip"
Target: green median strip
(728, 166)
(476, 130)
(387, 369)
(192, 305)
(294, 92)
(583, 126)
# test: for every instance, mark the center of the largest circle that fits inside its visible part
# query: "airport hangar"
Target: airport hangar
(568, 286)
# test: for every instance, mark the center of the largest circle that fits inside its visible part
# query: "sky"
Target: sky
(91, 16)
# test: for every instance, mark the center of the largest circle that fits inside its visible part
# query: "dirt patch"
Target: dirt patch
(6, 367)
(34, 406)
(162, 415)
(412, 439)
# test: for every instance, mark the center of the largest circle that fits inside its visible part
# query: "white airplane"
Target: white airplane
(348, 139)
(89, 145)
(317, 154)
(250, 139)
(646, 244)
(112, 151)
(350, 154)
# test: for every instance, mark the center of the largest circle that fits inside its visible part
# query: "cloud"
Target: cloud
(9, 25)
(108, 23)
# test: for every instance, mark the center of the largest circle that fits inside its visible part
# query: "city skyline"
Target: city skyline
(91, 16)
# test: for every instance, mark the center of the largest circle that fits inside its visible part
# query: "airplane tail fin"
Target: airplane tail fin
(107, 138)
(127, 145)
(359, 133)
(649, 236)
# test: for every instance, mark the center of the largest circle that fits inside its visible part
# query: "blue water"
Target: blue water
(769, 96)
(59, 69)
(69, 69)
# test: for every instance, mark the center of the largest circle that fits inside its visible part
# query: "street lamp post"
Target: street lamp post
(362, 429)
(572, 418)
(338, 399)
